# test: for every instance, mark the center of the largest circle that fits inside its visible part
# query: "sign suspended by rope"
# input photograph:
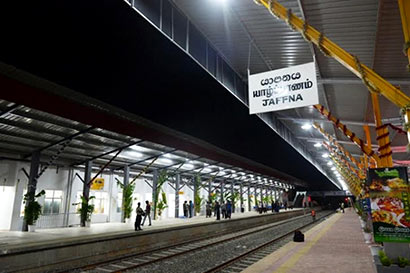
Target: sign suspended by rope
(281, 89)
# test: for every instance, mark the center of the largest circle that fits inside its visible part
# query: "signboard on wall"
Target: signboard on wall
(282, 89)
(390, 205)
(97, 184)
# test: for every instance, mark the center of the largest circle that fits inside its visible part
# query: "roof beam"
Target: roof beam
(396, 121)
(356, 81)
(9, 110)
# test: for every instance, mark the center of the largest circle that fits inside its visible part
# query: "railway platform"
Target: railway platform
(75, 246)
(335, 245)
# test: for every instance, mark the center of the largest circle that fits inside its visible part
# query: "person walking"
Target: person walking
(140, 212)
(218, 210)
(228, 209)
(147, 213)
(191, 208)
(208, 209)
(185, 206)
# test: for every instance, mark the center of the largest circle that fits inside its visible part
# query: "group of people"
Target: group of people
(188, 209)
(140, 213)
(225, 209)
(275, 206)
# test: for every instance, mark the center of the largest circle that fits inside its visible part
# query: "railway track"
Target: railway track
(188, 254)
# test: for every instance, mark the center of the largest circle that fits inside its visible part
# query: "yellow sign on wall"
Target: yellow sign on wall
(97, 184)
(180, 192)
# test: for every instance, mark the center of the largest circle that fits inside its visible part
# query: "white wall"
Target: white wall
(13, 184)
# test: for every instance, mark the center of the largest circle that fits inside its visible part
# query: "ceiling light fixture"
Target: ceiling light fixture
(306, 126)
(317, 145)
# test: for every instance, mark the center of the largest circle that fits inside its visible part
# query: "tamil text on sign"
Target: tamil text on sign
(284, 88)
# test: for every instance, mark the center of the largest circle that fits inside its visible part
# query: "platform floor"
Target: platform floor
(14, 240)
(335, 245)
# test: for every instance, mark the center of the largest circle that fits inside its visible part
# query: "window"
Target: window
(52, 202)
(100, 201)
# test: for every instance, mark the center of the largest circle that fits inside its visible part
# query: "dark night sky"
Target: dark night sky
(109, 52)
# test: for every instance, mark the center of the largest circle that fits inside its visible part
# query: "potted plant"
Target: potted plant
(162, 204)
(162, 179)
(86, 209)
(32, 210)
(127, 191)
(367, 234)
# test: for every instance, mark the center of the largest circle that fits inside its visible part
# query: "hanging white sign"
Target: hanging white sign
(282, 89)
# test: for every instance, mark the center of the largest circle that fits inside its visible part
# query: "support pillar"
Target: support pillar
(222, 191)
(154, 191)
(232, 192)
(249, 198)
(126, 182)
(177, 182)
(241, 196)
(261, 189)
(32, 181)
(209, 189)
(404, 7)
(382, 134)
(196, 193)
(86, 187)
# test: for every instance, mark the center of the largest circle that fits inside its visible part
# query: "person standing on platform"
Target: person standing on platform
(223, 208)
(313, 213)
(342, 207)
(191, 208)
(228, 209)
(140, 212)
(272, 206)
(185, 206)
(147, 213)
(217, 210)
(208, 209)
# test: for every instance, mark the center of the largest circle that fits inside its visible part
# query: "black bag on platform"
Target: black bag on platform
(298, 236)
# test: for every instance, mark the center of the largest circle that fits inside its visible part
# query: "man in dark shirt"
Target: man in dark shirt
(147, 213)
(185, 206)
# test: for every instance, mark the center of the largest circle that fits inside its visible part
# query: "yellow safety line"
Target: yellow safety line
(286, 266)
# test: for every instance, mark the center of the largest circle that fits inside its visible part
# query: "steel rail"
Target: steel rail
(252, 251)
(142, 256)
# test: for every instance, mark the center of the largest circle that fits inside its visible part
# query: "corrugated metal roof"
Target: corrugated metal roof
(369, 29)
(21, 135)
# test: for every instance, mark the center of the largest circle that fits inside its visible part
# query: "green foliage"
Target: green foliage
(267, 199)
(256, 200)
(32, 210)
(243, 199)
(86, 209)
(212, 197)
(367, 229)
(402, 262)
(162, 179)
(235, 198)
(384, 259)
(358, 208)
(198, 200)
(127, 192)
(162, 203)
